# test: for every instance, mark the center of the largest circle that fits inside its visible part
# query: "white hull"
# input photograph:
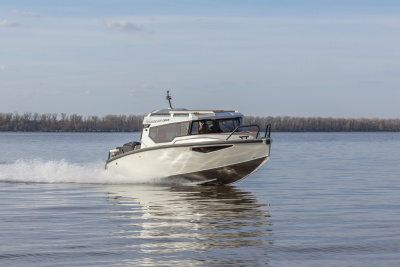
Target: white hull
(222, 162)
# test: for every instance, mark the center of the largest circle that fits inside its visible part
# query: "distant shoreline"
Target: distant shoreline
(54, 122)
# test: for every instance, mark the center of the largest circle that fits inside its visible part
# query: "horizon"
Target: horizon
(59, 114)
(337, 59)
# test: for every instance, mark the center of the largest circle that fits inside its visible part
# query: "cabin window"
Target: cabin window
(181, 115)
(160, 115)
(215, 126)
(167, 133)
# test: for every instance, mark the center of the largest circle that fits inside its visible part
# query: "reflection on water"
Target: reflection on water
(183, 225)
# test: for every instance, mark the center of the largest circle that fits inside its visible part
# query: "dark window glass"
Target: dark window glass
(167, 133)
(215, 126)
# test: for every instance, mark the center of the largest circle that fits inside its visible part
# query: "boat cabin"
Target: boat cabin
(171, 126)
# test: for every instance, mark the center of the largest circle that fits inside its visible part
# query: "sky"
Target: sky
(307, 58)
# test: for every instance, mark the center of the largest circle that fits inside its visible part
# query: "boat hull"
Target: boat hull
(200, 163)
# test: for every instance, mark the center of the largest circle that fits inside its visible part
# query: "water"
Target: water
(323, 199)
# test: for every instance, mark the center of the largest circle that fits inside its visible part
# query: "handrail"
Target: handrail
(268, 130)
(243, 126)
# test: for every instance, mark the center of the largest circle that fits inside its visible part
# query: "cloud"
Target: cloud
(122, 25)
(2, 67)
(24, 14)
(147, 86)
(141, 90)
(7, 23)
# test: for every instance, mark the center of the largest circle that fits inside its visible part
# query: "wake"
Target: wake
(41, 171)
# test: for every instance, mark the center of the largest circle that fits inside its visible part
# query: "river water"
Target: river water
(323, 199)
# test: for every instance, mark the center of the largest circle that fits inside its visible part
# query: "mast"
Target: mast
(169, 99)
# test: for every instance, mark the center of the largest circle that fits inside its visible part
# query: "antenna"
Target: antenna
(169, 99)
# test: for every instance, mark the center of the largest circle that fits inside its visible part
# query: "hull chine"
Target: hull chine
(224, 175)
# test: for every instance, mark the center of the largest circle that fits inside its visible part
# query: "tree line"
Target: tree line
(318, 124)
(54, 122)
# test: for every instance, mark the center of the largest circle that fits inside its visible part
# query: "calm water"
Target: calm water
(323, 199)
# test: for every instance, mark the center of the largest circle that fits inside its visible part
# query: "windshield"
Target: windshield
(215, 126)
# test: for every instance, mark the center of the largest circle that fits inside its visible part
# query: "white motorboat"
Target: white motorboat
(200, 146)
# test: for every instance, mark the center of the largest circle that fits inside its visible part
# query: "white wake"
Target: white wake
(41, 171)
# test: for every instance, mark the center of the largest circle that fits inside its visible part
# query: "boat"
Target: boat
(204, 147)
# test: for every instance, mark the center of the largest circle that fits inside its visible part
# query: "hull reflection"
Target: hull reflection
(172, 223)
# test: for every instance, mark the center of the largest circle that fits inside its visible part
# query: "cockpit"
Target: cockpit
(167, 132)
(215, 126)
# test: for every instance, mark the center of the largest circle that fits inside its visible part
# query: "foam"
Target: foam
(62, 171)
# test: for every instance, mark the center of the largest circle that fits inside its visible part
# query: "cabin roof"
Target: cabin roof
(185, 111)
(165, 116)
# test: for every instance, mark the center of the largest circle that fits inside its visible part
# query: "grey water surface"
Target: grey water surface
(323, 199)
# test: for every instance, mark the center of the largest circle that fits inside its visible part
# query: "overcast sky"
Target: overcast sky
(261, 57)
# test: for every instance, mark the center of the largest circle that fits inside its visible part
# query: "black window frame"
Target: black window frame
(238, 119)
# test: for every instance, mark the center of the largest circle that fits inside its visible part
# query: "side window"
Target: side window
(229, 125)
(215, 126)
(200, 127)
(195, 128)
(167, 133)
(184, 129)
(204, 127)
